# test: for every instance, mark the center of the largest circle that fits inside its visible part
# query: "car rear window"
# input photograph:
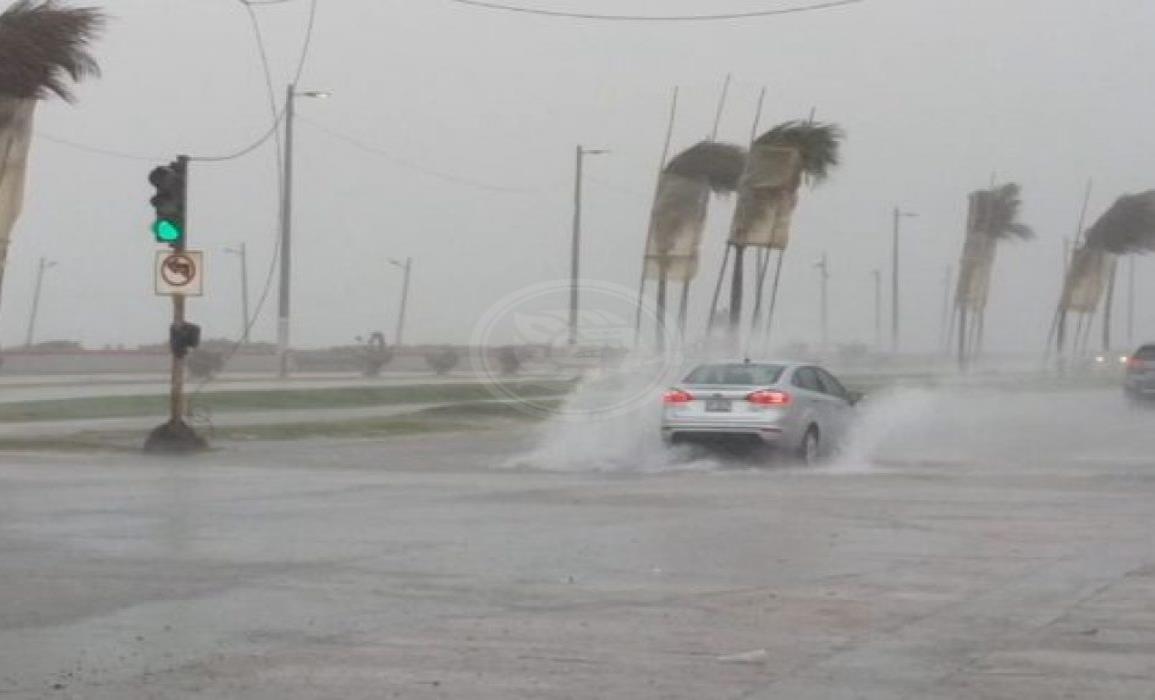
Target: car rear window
(1147, 352)
(735, 375)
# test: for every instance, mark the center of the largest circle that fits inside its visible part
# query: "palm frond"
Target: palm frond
(44, 47)
(997, 212)
(1127, 227)
(720, 165)
(817, 145)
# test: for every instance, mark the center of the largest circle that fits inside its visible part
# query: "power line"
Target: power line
(449, 177)
(752, 14)
(278, 115)
(97, 150)
(308, 43)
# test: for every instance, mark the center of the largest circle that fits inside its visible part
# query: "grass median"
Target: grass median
(441, 419)
(279, 400)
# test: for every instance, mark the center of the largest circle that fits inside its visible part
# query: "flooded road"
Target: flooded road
(969, 544)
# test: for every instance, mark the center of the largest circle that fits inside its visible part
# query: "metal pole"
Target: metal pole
(877, 309)
(650, 230)
(718, 290)
(894, 287)
(176, 398)
(404, 302)
(28, 338)
(245, 321)
(575, 248)
(284, 296)
(825, 271)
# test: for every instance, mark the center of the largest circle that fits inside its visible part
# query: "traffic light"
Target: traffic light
(183, 337)
(171, 183)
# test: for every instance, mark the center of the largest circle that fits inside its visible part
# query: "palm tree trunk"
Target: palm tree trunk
(660, 329)
(1109, 304)
(736, 289)
(962, 338)
(15, 139)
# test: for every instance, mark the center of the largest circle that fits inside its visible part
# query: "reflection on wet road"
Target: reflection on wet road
(969, 544)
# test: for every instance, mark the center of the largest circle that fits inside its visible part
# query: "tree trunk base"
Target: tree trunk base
(174, 437)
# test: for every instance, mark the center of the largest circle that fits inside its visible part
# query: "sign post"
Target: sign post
(179, 274)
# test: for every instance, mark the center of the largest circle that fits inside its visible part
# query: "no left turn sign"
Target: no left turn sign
(180, 274)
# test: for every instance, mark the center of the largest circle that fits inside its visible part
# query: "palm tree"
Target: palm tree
(780, 161)
(1128, 227)
(679, 215)
(43, 48)
(993, 216)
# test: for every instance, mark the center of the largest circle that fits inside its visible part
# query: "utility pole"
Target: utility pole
(407, 268)
(284, 293)
(44, 265)
(877, 274)
(824, 280)
(898, 216)
(242, 253)
(575, 244)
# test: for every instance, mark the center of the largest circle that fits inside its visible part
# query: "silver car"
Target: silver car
(797, 407)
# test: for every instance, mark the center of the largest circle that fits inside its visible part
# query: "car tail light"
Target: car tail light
(677, 397)
(1136, 363)
(769, 398)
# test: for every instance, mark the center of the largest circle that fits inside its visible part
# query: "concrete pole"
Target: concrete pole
(284, 296)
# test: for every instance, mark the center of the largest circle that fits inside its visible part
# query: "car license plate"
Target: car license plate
(718, 405)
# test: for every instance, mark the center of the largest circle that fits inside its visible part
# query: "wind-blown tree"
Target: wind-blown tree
(43, 49)
(678, 218)
(992, 217)
(780, 161)
(1127, 228)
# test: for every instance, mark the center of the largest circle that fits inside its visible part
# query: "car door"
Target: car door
(810, 401)
(841, 410)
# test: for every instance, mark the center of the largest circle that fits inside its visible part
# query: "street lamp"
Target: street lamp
(407, 268)
(575, 253)
(242, 253)
(45, 264)
(284, 296)
(899, 215)
(823, 268)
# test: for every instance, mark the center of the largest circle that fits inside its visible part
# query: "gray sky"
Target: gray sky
(935, 95)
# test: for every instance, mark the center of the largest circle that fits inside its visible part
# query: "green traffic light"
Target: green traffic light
(167, 231)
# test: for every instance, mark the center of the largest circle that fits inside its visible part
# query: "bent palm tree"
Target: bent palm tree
(779, 162)
(992, 216)
(43, 47)
(1128, 227)
(679, 215)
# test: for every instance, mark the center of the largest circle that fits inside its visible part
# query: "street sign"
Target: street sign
(180, 273)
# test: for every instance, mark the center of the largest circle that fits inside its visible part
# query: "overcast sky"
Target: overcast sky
(935, 96)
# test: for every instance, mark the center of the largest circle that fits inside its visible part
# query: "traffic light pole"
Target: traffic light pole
(176, 436)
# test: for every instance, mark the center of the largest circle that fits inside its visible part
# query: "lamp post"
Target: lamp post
(242, 253)
(575, 252)
(407, 268)
(284, 295)
(899, 215)
(823, 268)
(45, 264)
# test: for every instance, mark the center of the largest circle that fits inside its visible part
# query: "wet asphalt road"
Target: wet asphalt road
(970, 546)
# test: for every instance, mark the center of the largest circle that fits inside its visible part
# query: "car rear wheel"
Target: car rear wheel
(810, 451)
